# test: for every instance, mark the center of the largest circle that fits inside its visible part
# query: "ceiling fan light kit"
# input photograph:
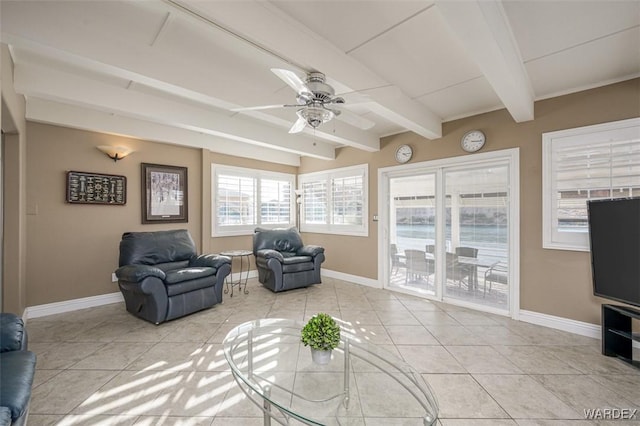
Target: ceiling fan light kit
(315, 116)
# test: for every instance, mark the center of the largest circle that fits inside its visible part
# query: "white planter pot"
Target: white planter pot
(320, 357)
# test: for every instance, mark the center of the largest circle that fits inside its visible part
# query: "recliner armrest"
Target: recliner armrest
(18, 370)
(270, 254)
(209, 260)
(310, 250)
(136, 273)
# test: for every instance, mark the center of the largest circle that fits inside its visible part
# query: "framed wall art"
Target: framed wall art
(164, 194)
(96, 188)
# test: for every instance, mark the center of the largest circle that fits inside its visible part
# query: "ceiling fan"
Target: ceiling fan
(315, 100)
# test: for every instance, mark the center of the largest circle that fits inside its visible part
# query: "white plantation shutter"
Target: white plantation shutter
(275, 201)
(246, 198)
(315, 202)
(348, 193)
(335, 201)
(236, 197)
(610, 170)
(593, 162)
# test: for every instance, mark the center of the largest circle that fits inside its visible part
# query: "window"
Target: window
(335, 201)
(246, 198)
(592, 162)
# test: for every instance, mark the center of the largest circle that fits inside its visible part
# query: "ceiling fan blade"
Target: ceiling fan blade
(355, 98)
(256, 108)
(298, 126)
(292, 79)
(355, 120)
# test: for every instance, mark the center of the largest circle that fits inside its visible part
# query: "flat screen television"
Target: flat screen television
(614, 233)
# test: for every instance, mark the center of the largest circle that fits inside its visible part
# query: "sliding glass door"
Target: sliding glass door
(477, 245)
(448, 230)
(412, 230)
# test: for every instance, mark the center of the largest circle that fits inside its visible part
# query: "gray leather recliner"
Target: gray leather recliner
(17, 370)
(283, 261)
(162, 278)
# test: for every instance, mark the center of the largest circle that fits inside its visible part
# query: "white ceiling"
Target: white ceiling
(171, 70)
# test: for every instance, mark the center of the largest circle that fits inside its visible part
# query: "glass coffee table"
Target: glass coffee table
(361, 382)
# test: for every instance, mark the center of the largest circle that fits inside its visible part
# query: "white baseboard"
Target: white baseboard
(240, 277)
(351, 278)
(565, 324)
(72, 305)
(551, 321)
(90, 302)
(560, 323)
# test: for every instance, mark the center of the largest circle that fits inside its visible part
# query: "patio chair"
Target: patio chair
(470, 252)
(418, 266)
(397, 261)
(458, 272)
(497, 273)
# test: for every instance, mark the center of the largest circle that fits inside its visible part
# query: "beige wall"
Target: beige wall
(14, 284)
(72, 249)
(553, 282)
(347, 254)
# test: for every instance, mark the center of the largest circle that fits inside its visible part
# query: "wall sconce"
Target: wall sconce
(115, 152)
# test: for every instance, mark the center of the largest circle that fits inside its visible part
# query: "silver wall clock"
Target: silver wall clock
(404, 154)
(473, 141)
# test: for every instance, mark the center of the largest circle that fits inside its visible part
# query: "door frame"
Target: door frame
(512, 158)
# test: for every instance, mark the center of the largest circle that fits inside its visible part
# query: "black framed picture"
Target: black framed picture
(96, 188)
(164, 194)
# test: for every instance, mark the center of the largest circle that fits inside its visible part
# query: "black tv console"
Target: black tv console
(617, 333)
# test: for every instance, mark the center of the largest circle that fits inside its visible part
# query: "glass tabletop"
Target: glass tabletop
(362, 381)
(234, 253)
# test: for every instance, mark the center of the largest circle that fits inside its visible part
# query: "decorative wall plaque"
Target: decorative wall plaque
(96, 188)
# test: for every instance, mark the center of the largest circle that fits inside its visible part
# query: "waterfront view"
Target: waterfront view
(490, 240)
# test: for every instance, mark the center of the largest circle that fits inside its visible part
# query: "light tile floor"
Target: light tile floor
(102, 366)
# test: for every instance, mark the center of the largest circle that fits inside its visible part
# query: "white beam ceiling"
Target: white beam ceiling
(177, 67)
(45, 83)
(482, 27)
(279, 33)
(78, 117)
(144, 64)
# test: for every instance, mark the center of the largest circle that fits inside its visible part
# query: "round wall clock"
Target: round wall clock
(404, 153)
(473, 140)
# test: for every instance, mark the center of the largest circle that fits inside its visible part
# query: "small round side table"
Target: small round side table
(244, 256)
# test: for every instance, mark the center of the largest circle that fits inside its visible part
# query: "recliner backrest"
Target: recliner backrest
(151, 248)
(13, 334)
(285, 240)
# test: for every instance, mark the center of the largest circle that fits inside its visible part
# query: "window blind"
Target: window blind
(335, 201)
(243, 199)
(348, 193)
(594, 171)
(275, 201)
(236, 200)
(314, 200)
(586, 163)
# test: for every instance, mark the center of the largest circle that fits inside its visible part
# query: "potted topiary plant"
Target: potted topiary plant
(322, 335)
